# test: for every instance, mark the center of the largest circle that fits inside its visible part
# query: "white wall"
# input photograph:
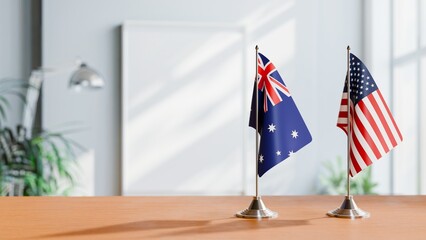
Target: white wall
(306, 39)
(378, 59)
(15, 48)
(395, 44)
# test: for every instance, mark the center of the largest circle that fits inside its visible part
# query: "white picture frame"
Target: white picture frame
(184, 109)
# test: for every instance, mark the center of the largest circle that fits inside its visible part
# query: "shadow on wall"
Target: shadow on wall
(188, 99)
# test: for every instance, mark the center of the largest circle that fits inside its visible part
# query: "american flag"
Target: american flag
(373, 129)
(281, 127)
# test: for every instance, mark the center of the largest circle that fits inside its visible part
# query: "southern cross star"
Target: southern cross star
(294, 134)
(261, 159)
(272, 127)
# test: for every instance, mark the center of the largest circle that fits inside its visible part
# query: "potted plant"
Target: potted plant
(32, 165)
(333, 181)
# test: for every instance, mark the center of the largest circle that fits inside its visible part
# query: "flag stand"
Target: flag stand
(257, 208)
(348, 209)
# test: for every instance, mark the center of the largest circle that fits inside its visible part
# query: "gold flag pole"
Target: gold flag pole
(257, 208)
(348, 209)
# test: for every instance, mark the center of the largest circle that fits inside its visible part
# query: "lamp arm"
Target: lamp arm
(31, 100)
(33, 93)
(83, 76)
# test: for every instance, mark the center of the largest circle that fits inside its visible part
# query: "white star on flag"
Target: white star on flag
(290, 153)
(278, 153)
(272, 127)
(294, 134)
(261, 159)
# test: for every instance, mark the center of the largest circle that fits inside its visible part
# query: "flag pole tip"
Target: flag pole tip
(257, 47)
(348, 48)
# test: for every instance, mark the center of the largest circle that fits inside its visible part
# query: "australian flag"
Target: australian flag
(281, 127)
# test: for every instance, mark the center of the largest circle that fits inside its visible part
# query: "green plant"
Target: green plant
(334, 180)
(33, 166)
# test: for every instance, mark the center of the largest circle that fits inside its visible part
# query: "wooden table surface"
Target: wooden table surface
(300, 217)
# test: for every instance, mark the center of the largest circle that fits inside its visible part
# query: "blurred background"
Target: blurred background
(172, 115)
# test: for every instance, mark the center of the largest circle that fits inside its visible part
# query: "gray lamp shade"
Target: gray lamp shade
(86, 77)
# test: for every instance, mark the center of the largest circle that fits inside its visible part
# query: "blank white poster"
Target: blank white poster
(183, 117)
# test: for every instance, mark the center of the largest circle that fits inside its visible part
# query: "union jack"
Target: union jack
(269, 84)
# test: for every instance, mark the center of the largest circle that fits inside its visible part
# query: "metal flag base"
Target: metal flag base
(349, 209)
(257, 209)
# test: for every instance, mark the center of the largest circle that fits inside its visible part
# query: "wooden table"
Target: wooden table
(300, 217)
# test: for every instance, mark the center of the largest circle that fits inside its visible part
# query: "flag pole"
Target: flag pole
(348, 209)
(348, 86)
(257, 123)
(257, 208)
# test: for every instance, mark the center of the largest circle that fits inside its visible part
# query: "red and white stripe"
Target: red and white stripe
(373, 130)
